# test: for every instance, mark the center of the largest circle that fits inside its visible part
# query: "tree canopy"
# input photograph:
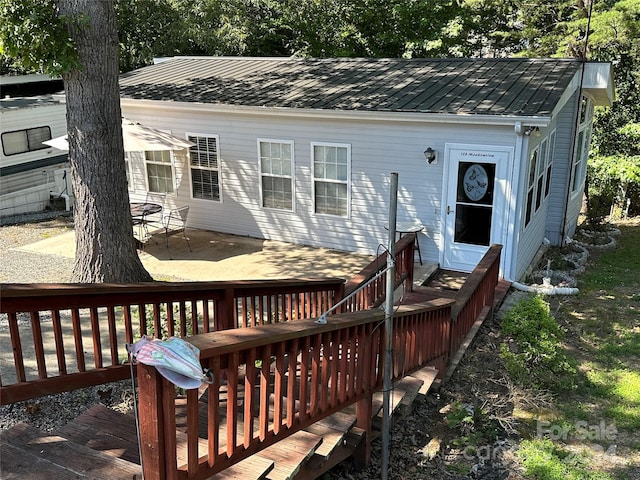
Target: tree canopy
(77, 39)
(38, 35)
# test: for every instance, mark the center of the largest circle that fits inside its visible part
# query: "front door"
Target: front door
(475, 196)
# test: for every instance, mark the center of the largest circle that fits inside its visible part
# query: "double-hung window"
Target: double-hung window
(331, 178)
(582, 145)
(159, 171)
(276, 173)
(531, 187)
(541, 169)
(552, 152)
(204, 163)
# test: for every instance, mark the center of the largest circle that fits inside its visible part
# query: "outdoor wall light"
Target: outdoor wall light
(535, 131)
(430, 155)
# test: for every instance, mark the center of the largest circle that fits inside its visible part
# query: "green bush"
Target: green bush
(533, 353)
(612, 181)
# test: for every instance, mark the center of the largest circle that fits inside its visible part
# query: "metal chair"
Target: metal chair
(175, 221)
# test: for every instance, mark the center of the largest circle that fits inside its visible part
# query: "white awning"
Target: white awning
(137, 138)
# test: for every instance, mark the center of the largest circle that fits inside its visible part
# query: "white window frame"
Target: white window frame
(26, 146)
(291, 177)
(532, 182)
(192, 167)
(543, 158)
(580, 160)
(581, 155)
(549, 166)
(347, 181)
(171, 165)
(127, 165)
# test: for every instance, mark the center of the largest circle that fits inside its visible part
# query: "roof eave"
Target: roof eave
(374, 116)
(598, 82)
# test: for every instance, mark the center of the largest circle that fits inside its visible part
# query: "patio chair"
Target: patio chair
(176, 222)
(153, 216)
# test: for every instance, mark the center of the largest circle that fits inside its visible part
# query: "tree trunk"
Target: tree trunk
(105, 247)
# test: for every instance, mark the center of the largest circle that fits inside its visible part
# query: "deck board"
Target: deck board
(254, 468)
(332, 430)
(290, 454)
(84, 462)
(105, 430)
(20, 465)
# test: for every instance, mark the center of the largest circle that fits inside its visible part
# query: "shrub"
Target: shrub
(533, 354)
(612, 182)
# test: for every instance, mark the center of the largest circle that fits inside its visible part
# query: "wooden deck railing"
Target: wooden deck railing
(66, 336)
(476, 294)
(77, 332)
(373, 295)
(271, 381)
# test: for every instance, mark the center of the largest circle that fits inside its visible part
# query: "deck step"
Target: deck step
(403, 394)
(105, 430)
(290, 454)
(332, 430)
(252, 468)
(428, 376)
(28, 453)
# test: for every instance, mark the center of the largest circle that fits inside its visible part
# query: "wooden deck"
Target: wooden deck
(102, 443)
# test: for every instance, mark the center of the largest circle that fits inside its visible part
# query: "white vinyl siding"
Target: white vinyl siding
(276, 173)
(549, 167)
(372, 157)
(331, 178)
(561, 148)
(159, 171)
(204, 164)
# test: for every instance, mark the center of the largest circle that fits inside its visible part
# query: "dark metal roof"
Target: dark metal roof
(520, 87)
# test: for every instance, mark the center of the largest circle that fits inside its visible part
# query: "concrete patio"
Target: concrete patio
(218, 256)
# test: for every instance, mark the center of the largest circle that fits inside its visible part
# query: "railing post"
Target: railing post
(338, 296)
(364, 411)
(410, 263)
(151, 414)
(225, 310)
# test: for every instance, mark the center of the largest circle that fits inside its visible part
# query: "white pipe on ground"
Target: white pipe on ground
(545, 289)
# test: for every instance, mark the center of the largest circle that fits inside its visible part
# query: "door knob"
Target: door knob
(448, 209)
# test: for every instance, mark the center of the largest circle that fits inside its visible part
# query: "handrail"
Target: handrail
(271, 381)
(309, 371)
(373, 295)
(90, 324)
(59, 321)
(476, 293)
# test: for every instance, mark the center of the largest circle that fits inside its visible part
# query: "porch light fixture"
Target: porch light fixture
(430, 155)
(535, 131)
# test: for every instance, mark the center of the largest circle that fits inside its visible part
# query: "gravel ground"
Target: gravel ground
(26, 267)
(51, 412)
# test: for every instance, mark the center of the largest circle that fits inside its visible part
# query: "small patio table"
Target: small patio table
(402, 228)
(140, 211)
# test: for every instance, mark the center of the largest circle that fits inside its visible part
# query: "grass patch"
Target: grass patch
(616, 268)
(543, 459)
(600, 333)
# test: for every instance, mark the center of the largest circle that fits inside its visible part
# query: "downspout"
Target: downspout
(576, 127)
(513, 209)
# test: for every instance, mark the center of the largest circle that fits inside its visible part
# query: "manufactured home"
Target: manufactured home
(301, 150)
(31, 171)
